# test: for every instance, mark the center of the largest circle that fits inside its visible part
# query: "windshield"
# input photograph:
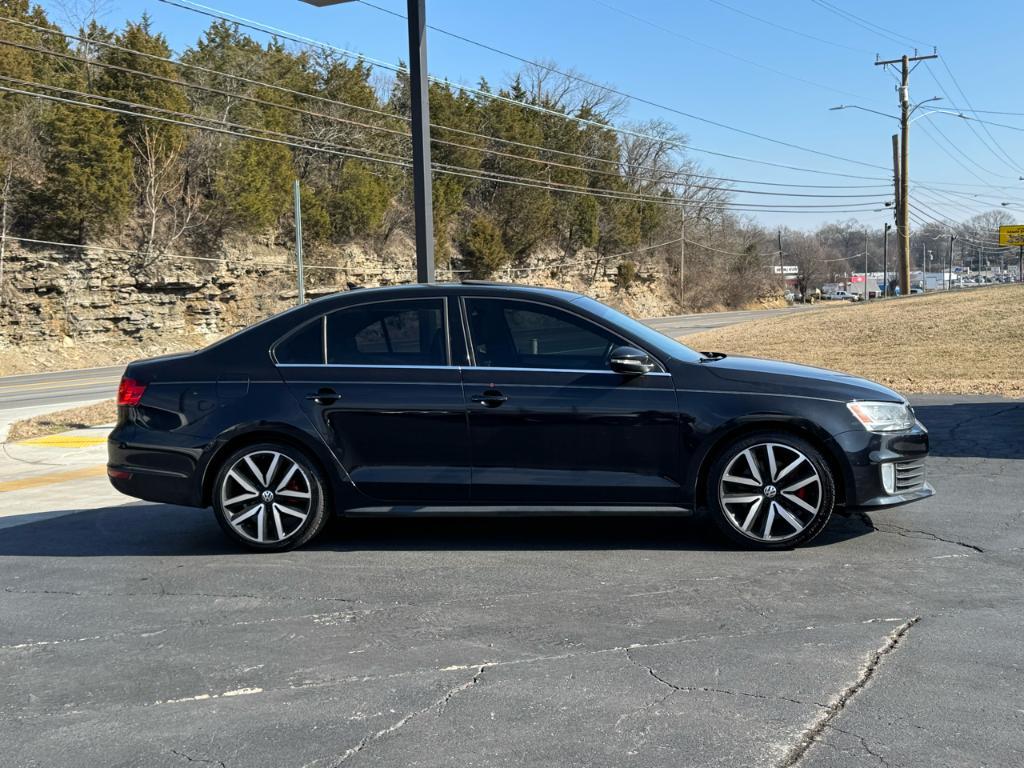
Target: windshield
(638, 330)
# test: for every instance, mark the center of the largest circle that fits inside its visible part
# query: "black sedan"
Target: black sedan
(476, 399)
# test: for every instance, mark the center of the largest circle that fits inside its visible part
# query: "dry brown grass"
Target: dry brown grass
(960, 343)
(61, 421)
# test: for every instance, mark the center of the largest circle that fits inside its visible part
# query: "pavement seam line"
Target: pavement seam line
(829, 713)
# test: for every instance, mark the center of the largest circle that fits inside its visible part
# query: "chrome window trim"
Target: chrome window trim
(589, 371)
(358, 365)
(584, 318)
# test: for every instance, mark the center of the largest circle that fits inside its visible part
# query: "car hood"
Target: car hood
(752, 374)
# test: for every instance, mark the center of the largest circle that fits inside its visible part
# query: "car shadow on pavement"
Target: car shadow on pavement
(986, 430)
(160, 530)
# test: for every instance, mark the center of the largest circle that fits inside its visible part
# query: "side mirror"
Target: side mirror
(630, 361)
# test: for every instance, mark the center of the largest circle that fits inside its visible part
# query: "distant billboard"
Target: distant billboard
(1011, 234)
(788, 269)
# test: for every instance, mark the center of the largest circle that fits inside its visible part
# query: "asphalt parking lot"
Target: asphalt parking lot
(133, 634)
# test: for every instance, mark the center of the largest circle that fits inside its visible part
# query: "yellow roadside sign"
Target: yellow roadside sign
(1011, 234)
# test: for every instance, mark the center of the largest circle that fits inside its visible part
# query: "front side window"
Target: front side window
(409, 332)
(520, 334)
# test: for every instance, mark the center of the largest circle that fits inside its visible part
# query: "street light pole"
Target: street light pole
(419, 94)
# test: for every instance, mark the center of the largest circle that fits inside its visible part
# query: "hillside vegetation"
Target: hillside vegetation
(969, 342)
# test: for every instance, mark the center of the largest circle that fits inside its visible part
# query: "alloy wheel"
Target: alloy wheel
(266, 497)
(770, 492)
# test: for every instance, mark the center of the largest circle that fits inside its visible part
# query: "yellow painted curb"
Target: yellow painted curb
(52, 478)
(65, 441)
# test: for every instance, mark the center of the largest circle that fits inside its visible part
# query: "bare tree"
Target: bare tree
(569, 91)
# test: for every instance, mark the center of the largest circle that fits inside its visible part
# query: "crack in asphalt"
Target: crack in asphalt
(703, 688)
(539, 659)
(191, 759)
(440, 705)
(907, 533)
(863, 742)
(812, 735)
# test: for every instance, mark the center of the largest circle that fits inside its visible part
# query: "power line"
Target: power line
(189, 5)
(868, 25)
(327, 148)
(669, 177)
(984, 126)
(402, 118)
(787, 29)
(637, 18)
(971, 127)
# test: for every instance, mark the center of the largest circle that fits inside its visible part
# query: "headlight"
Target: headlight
(882, 417)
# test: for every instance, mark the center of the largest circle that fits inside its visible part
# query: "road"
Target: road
(135, 634)
(55, 388)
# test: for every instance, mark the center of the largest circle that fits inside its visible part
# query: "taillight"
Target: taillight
(129, 392)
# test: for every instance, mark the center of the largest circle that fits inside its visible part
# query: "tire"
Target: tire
(270, 497)
(770, 490)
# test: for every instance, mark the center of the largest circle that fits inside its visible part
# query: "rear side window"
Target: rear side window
(407, 332)
(304, 347)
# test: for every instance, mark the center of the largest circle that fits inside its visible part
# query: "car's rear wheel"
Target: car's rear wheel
(270, 497)
(771, 491)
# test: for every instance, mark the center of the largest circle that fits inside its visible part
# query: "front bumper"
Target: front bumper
(865, 453)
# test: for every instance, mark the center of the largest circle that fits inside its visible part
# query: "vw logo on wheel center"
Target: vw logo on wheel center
(268, 496)
(770, 491)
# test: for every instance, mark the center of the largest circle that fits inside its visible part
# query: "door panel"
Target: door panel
(573, 437)
(563, 436)
(398, 423)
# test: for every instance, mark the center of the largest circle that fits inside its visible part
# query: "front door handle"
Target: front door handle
(323, 396)
(491, 398)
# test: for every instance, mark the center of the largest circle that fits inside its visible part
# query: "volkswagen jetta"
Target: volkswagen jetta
(474, 399)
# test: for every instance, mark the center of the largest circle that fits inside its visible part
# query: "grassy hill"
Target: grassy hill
(964, 342)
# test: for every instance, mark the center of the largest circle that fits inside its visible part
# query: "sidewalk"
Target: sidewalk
(55, 475)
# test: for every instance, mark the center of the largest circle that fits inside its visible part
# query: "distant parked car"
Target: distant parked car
(842, 296)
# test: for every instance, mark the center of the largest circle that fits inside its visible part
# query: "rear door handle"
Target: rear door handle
(323, 396)
(491, 398)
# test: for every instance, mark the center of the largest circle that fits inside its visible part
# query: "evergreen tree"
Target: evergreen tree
(87, 189)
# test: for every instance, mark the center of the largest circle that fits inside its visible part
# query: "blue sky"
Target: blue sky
(707, 58)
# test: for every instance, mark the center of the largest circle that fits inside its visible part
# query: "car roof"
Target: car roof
(475, 287)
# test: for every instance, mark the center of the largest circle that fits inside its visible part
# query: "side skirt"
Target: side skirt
(416, 510)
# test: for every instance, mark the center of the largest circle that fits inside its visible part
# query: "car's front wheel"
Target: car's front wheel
(771, 491)
(270, 497)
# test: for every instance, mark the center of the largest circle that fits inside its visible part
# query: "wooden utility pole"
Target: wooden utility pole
(898, 212)
(903, 203)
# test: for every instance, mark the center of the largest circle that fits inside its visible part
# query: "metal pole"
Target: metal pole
(866, 295)
(781, 270)
(419, 93)
(949, 274)
(682, 257)
(298, 242)
(885, 261)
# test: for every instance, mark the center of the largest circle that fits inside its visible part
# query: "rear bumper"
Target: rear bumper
(866, 452)
(164, 474)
